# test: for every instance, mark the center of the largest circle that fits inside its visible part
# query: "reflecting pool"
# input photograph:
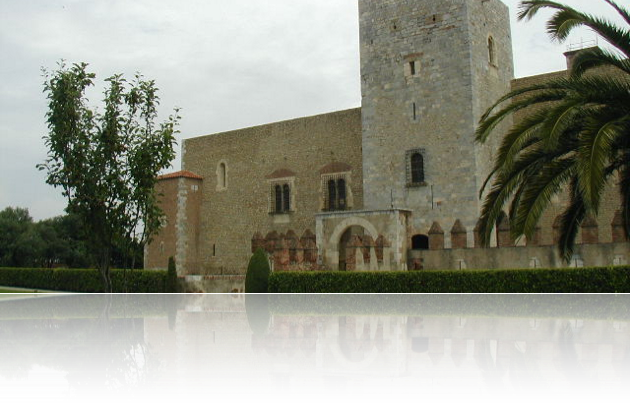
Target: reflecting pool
(206, 347)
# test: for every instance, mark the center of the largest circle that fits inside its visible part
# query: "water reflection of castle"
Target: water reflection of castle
(515, 350)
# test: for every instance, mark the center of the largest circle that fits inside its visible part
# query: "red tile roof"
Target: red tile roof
(182, 173)
(281, 173)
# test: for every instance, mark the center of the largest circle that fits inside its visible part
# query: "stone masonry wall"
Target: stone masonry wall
(230, 216)
(425, 76)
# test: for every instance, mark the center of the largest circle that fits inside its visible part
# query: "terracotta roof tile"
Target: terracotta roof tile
(281, 173)
(181, 173)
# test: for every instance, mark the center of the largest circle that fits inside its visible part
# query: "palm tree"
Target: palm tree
(575, 137)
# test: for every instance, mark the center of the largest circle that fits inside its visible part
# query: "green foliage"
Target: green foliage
(586, 293)
(107, 163)
(17, 246)
(85, 280)
(56, 242)
(575, 139)
(256, 288)
(172, 275)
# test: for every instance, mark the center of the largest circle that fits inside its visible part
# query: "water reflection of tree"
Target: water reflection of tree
(46, 342)
(526, 377)
(115, 370)
(125, 368)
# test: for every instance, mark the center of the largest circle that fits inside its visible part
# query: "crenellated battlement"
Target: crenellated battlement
(506, 252)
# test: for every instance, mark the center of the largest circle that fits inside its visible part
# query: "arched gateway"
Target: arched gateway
(362, 240)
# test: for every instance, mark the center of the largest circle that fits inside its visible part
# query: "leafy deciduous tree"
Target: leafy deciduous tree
(107, 163)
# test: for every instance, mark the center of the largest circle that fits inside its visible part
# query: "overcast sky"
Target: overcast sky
(227, 64)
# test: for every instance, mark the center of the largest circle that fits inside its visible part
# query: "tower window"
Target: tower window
(412, 68)
(415, 167)
(492, 58)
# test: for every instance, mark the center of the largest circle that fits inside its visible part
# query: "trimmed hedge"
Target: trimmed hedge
(258, 270)
(588, 293)
(86, 280)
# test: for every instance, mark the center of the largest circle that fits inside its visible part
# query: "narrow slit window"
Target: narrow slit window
(491, 51)
(414, 111)
(412, 68)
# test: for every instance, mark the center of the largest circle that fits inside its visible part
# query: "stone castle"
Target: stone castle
(392, 185)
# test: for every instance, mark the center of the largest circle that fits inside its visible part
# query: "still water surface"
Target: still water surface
(314, 352)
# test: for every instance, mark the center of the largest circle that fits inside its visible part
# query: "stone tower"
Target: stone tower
(429, 70)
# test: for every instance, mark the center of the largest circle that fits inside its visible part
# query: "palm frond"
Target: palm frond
(566, 19)
(622, 12)
(594, 58)
(570, 222)
(595, 143)
(538, 193)
(624, 190)
(490, 121)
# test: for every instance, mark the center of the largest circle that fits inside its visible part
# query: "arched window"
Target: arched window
(420, 242)
(222, 176)
(491, 52)
(417, 168)
(286, 198)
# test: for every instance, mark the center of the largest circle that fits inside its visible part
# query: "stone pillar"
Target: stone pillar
(309, 243)
(535, 239)
(436, 237)
(368, 245)
(270, 242)
(618, 234)
(556, 229)
(281, 254)
(477, 235)
(459, 236)
(590, 231)
(504, 238)
(292, 241)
